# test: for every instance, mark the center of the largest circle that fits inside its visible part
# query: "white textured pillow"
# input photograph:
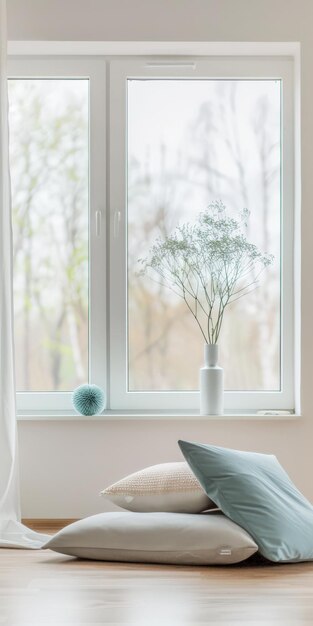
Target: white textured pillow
(167, 487)
(177, 538)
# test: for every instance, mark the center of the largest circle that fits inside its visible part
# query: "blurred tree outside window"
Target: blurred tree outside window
(192, 142)
(49, 153)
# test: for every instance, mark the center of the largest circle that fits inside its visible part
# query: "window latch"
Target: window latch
(116, 224)
(98, 223)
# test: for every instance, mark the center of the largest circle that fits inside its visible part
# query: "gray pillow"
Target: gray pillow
(177, 538)
(254, 491)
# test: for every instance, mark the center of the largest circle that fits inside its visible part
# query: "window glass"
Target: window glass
(191, 142)
(49, 149)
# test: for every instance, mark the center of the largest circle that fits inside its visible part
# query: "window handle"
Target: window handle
(98, 223)
(116, 224)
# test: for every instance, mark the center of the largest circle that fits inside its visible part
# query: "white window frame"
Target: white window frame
(192, 67)
(95, 71)
(108, 329)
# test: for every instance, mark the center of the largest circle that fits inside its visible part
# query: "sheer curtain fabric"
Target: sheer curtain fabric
(13, 534)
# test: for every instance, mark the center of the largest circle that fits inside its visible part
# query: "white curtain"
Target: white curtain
(13, 534)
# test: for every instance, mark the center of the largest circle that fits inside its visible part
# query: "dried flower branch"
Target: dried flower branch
(209, 264)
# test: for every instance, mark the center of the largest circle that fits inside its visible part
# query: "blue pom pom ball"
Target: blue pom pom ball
(88, 399)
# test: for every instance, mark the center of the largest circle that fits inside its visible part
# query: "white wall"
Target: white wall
(65, 464)
(186, 20)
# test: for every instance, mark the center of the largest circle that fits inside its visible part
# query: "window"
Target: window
(57, 161)
(177, 135)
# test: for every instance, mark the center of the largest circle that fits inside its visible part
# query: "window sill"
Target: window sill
(118, 415)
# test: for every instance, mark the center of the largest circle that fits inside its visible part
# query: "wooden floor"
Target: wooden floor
(42, 587)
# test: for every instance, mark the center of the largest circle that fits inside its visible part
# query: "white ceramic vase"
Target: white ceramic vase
(211, 383)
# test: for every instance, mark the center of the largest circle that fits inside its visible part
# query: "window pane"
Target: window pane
(191, 142)
(49, 172)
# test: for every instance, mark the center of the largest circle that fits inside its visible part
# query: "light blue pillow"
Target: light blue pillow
(255, 492)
